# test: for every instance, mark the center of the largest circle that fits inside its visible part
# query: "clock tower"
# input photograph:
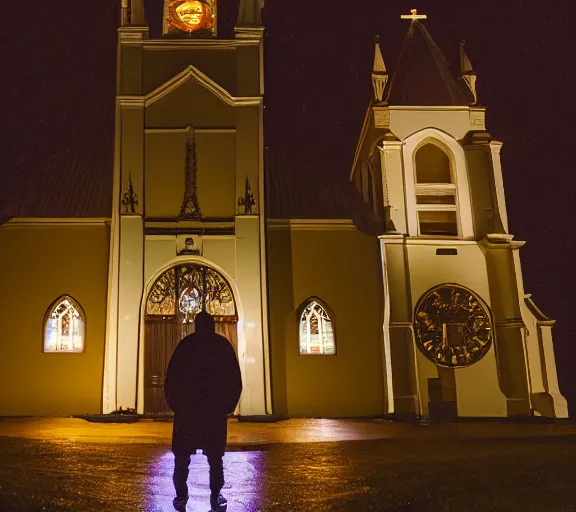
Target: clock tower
(461, 336)
(187, 231)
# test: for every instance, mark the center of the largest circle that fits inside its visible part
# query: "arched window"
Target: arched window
(64, 326)
(435, 192)
(316, 330)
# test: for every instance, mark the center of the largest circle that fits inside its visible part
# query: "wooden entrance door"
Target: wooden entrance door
(172, 304)
(161, 337)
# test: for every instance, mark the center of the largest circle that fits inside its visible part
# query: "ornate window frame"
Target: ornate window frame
(164, 299)
(51, 308)
(331, 317)
(455, 153)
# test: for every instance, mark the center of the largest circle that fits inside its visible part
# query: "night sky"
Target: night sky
(57, 91)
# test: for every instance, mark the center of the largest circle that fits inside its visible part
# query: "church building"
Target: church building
(406, 300)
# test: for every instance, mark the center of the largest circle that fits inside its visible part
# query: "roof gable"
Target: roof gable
(191, 73)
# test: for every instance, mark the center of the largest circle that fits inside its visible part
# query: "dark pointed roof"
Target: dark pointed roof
(422, 76)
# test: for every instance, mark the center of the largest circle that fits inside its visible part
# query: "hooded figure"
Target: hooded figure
(203, 386)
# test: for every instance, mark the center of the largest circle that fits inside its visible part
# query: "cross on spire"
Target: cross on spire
(414, 16)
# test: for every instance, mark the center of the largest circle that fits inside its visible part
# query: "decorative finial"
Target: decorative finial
(125, 18)
(467, 72)
(414, 16)
(130, 198)
(379, 73)
(247, 201)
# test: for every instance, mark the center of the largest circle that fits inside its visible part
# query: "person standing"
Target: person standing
(203, 385)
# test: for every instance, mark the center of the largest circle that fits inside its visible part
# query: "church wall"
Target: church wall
(38, 264)
(130, 73)
(469, 269)
(158, 251)
(427, 269)
(165, 173)
(160, 65)
(337, 266)
(482, 208)
(217, 174)
(249, 148)
(249, 81)
(222, 251)
(248, 278)
(509, 328)
(164, 176)
(190, 104)
(281, 312)
(406, 121)
(400, 356)
(130, 285)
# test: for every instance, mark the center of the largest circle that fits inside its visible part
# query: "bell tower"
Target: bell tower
(461, 337)
(188, 192)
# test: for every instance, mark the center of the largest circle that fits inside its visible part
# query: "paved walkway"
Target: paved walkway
(67, 464)
(288, 431)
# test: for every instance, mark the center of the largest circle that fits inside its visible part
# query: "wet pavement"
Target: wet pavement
(299, 465)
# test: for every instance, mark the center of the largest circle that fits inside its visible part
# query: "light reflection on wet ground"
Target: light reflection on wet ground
(242, 488)
(423, 474)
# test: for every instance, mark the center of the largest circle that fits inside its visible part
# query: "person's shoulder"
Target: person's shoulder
(189, 338)
(220, 338)
(188, 341)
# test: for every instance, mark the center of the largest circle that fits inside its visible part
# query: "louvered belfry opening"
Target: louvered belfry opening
(435, 192)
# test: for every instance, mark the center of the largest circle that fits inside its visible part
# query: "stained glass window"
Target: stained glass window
(316, 331)
(189, 302)
(186, 290)
(64, 327)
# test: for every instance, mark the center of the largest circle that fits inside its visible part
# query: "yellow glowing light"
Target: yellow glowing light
(190, 12)
(191, 15)
(413, 15)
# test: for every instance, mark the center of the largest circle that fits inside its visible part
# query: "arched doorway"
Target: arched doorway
(175, 299)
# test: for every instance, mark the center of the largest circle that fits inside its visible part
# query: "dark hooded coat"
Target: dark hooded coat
(202, 387)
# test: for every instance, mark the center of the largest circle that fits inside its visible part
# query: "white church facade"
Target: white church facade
(447, 329)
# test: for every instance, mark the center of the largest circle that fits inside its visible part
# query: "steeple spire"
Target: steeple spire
(379, 72)
(467, 72)
(422, 76)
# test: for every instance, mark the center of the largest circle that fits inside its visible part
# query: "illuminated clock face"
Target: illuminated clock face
(191, 15)
(453, 326)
